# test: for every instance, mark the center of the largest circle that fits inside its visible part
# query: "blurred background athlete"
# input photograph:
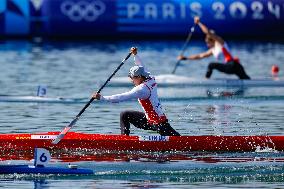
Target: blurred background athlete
(219, 49)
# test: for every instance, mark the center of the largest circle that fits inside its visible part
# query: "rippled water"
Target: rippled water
(74, 70)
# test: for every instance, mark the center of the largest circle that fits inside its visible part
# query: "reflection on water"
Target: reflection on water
(148, 175)
(226, 93)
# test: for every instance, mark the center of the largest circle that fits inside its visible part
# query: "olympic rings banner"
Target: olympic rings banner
(91, 18)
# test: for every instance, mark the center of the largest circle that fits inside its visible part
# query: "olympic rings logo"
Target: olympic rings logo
(83, 10)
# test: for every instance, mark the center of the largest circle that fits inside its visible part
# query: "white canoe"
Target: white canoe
(182, 81)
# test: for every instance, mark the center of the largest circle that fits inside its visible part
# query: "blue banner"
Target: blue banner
(175, 17)
(17, 17)
(2, 18)
(87, 18)
(81, 17)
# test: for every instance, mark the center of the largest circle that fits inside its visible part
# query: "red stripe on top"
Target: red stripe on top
(153, 117)
(227, 55)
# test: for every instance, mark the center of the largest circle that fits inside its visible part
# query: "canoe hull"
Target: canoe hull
(79, 141)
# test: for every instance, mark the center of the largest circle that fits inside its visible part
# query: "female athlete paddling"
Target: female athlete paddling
(145, 91)
(219, 49)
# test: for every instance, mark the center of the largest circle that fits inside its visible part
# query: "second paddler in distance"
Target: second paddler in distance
(226, 63)
(145, 91)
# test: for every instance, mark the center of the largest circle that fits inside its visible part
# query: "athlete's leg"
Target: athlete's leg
(227, 68)
(210, 69)
(138, 119)
(165, 129)
(240, 71)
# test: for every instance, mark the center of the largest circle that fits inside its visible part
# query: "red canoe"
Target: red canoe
(76, 141)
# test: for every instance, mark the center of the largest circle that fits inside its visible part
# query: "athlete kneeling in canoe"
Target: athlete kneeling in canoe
(219, 49)
(145, 91)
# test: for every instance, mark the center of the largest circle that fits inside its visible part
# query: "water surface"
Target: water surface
(74, 70)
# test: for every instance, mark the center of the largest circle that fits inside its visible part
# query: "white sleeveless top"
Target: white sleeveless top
(222, 53)
(151, 105)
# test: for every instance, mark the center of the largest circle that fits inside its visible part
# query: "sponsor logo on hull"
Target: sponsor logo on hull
(154, 138)
(43, 137)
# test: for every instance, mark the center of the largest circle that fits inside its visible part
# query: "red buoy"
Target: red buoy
(274, 70)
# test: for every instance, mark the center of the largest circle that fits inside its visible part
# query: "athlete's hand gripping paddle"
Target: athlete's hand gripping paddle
(73, 122)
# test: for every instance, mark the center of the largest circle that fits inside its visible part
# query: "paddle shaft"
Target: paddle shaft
(101, 88)
(184, 47)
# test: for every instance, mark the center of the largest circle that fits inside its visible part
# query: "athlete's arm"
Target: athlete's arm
(140, 92)
(137, 59)
(197, 56)
(201, 55)
(206, 31)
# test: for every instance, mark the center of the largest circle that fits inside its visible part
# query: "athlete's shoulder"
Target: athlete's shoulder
(140, 87)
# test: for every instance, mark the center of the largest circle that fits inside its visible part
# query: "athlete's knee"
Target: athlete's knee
(122, 114)
(125, 115)
(211, 66)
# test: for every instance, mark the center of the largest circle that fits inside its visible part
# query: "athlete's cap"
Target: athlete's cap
(137, 71)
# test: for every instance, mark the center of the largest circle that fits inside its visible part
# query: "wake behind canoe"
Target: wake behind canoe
(74, 140)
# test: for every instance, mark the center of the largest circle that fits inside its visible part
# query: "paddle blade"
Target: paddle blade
(175, 68)
(61, 135)
(64, 131)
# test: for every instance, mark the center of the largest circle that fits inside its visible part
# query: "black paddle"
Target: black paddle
(184, 47)
(73, 122)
